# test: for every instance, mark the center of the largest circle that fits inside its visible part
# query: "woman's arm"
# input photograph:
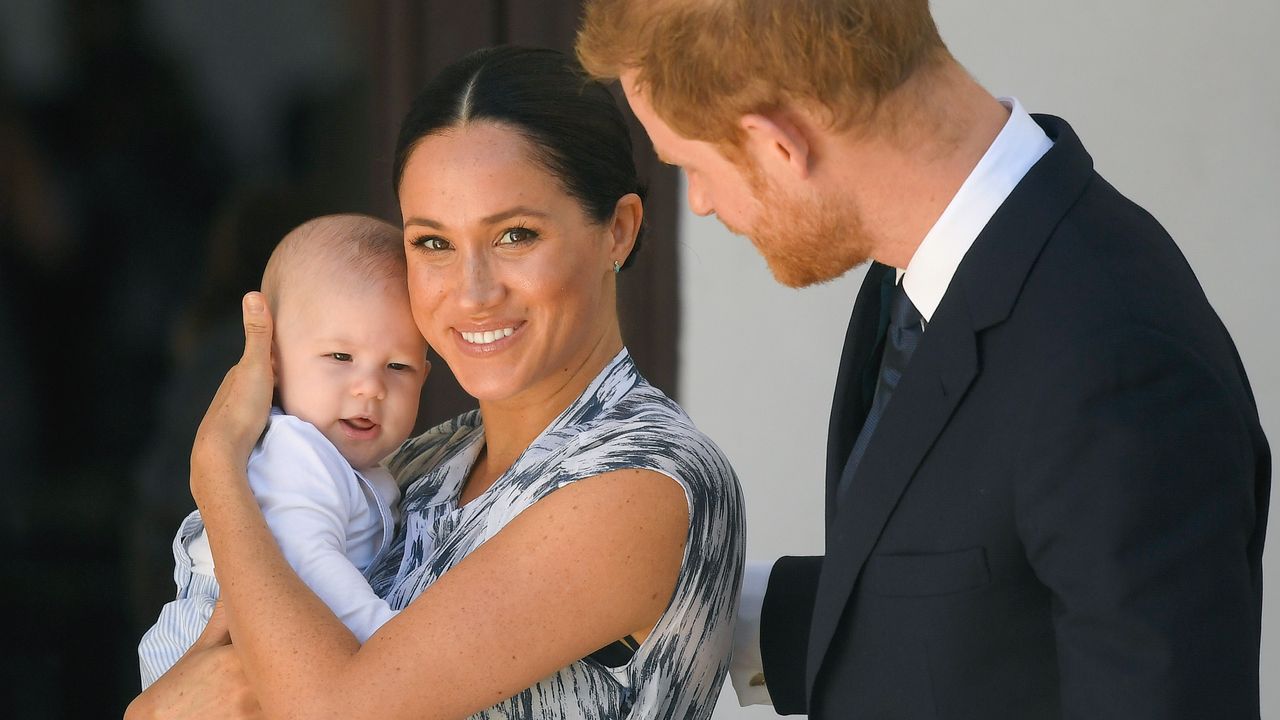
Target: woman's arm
(208, 681)
(586, 565)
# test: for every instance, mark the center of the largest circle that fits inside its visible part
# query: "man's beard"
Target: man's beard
(805, 242)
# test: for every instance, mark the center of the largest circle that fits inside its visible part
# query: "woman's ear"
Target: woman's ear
(628, 213)
(778, 143)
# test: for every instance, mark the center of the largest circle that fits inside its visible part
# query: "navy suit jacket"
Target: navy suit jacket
(1062, 510)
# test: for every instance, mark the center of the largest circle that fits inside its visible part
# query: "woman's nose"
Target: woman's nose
(480, 287)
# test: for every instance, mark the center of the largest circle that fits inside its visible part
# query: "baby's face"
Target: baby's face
(351, 362)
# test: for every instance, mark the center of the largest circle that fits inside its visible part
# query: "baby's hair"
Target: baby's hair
(355, 249)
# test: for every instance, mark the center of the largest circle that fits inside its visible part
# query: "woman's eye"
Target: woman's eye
(432, 242)
(341, 357)
(516, 235)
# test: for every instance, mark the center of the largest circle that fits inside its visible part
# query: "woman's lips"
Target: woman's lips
(487, 337)
(487, 340)
(359, 428)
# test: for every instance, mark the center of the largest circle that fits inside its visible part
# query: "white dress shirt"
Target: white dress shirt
(1018, 146)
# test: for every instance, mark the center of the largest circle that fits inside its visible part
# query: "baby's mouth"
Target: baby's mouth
(358, 425)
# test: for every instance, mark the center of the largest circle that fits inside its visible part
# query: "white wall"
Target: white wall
(1179, 103)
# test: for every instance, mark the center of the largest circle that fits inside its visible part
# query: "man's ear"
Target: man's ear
(778, 143)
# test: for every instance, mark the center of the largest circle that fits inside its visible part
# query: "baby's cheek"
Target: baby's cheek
(409, 395)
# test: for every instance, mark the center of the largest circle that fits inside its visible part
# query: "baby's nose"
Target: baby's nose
(370, 385)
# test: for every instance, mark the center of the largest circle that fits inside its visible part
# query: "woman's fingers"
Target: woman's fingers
(257, 331)
(216, 632)
(255, 380)
(206, 684)
(238, 414)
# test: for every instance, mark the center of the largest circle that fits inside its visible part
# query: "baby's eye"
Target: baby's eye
(431, 242)
(516, 235)
(399, 367)
(341, 357)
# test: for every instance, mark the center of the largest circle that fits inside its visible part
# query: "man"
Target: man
(1047, 485)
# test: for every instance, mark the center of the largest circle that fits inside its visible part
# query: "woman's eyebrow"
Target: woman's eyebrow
(428, 222)
(513, 212)
(488, 220)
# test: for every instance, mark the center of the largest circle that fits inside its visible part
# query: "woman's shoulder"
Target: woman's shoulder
(647, 411)
(645, 429)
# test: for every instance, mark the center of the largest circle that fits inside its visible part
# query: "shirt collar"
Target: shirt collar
(1020, 144)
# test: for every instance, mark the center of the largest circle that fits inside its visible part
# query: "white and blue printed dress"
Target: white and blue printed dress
(620, 421)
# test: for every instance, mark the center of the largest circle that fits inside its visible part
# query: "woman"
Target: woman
(578, 509)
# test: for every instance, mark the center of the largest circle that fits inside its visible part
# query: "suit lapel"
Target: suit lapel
(941, 370)
(982, 294)
(852, 398)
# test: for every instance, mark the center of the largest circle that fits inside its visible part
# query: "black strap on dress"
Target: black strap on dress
(617, 653)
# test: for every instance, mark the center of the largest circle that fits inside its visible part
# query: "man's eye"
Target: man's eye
(341, 357)
(516, 235)
(431, 242)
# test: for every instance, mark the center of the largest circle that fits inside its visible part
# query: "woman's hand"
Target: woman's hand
(207, 683)
(238, 414)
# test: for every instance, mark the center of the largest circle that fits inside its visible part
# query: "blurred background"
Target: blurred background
(153, 151)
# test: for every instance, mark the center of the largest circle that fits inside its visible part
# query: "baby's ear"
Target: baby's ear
(275, 373)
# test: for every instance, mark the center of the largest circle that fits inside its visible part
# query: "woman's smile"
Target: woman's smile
(488, 340)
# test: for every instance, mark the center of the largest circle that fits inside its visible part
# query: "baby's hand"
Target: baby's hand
(238, 414)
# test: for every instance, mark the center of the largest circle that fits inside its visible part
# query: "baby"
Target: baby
(349, 365)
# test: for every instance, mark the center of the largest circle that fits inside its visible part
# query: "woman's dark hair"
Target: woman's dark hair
(572, 121)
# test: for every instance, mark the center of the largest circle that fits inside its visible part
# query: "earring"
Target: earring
(617, 266)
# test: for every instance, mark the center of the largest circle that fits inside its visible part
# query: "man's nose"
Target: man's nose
(698, 202)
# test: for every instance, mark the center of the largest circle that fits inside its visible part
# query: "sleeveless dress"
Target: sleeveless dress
(620, 421)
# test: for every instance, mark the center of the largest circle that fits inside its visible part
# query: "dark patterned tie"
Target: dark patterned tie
(906, 325)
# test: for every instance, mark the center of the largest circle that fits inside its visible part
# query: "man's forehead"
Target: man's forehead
(658, 130)
(634, 92)
(628, 79)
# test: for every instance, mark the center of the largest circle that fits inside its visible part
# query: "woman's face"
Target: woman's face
(509, 279)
